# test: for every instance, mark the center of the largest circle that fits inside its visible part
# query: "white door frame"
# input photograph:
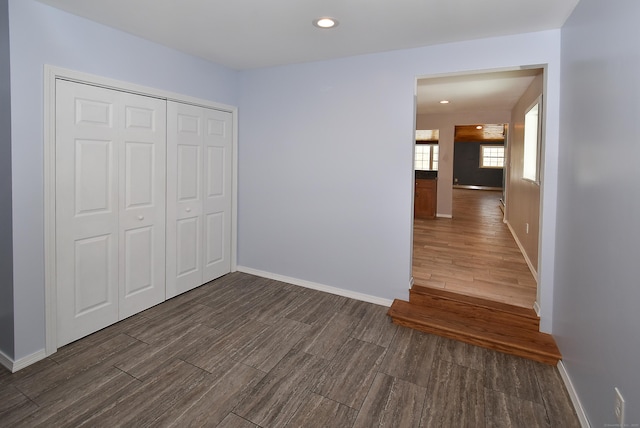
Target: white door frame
(52, 73)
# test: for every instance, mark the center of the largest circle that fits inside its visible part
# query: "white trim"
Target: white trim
(6, 361)
(524, 253)
(444, 215)
(50, 288)
(582, 416)
(536, 307)
(52, 73)
(14, 366)
(315, 286)
(29, 359)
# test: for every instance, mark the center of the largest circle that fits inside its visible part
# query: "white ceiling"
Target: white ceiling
(245, 34)
(497, 91)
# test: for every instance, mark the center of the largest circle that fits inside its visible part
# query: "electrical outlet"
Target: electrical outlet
(618, 408)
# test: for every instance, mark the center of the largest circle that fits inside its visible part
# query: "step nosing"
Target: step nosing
(480, 338)
(514, 335)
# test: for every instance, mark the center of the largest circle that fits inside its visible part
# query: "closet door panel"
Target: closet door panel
(184, 197)
(87, 236)
(142, 203)
(217, 194)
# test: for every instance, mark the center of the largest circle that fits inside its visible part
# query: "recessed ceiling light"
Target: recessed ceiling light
(444, 102)
(479, 127)
(325, 22)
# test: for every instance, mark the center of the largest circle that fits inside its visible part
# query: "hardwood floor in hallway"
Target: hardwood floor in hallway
(473, 253)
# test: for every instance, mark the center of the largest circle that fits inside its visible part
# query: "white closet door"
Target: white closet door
(217, 194)
(185, 139)
(110, 206)
(142, 164)
(199, 171)
(86, 209)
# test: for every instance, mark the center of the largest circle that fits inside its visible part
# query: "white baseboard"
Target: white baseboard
(536, 307)
(443, 215)
(6, 361)
(582, 416)
(533, 269)
(316, 286)
(14, 366)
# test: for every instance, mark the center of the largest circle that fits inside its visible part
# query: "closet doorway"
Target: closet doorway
(119, 173)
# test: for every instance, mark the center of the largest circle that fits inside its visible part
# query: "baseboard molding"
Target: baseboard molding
(577, 405)
(533, 270)
(443, 215)
(6, 361)
(14, 366)
(536, 307)
(474, 187)
(316, 286)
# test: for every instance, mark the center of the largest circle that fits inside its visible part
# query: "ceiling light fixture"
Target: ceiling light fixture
(444, 102)
(325, 22)
(479, 127)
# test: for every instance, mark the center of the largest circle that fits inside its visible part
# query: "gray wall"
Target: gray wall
(596, 315)
(466, 165)
(6, 251)
(43, 35)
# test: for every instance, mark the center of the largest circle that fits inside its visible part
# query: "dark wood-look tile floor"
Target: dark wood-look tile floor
(244, 351)
(472, 253)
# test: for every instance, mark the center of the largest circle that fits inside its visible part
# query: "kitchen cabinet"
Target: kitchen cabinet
(426, 196)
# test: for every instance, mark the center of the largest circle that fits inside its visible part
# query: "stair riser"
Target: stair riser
(497, 316)
(501, 347)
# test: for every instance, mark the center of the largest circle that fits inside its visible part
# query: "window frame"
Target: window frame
(431, 145)
(482, 156)
(536, 150)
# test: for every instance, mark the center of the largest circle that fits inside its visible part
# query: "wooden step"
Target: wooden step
(471, 326)
(482, 308)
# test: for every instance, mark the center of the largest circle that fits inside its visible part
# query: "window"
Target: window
(426, 158)
(491, 156)
(531, 142)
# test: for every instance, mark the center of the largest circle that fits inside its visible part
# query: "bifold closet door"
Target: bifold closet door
(110, 206)
(199, 168)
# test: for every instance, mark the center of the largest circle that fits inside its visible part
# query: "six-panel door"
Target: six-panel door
(198, 196)
(87, 211)
(110, 206)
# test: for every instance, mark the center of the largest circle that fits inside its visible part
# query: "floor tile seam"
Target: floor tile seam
(95, 385)
(488, 388)
(479, 372)
(542, 395)
(243, 418)
(129, 374)
(38, 406)
(368, 342)
(100, 366)
(196, 401)
(20, 376)
(309, 386)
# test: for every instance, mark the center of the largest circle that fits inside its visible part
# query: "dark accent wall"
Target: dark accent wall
(6, 229)
(466, 166)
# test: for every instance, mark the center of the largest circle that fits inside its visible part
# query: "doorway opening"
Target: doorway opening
(482, 243)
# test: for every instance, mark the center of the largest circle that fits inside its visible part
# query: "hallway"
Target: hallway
(473, 253)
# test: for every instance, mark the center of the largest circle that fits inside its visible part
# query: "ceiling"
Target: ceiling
(495, 91)
(246, 34)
